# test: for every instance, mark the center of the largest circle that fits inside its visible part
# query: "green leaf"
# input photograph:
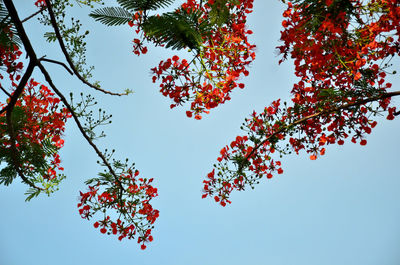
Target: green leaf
(177, 30)
(112, 16)
(50, 36)
(7, 175)
(136, 5)
(219, 13)
(48, 147)
(31, 192)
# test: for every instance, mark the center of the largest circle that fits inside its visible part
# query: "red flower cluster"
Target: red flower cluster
(129, 197)
(138, 44)
(250, 155)
(38, 125)
(222, 58)
(341, 51)
(38, 122)
(9, 55)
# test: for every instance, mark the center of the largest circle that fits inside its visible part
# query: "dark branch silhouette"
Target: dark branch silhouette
(34, 14)
(57, 62)
(68, 58)
(35, 62)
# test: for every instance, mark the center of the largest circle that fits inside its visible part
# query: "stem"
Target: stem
(57, 62)
(5, 91)
(34, 14)
(80, 127)
(66, 54)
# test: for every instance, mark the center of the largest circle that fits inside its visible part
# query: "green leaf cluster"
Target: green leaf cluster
(136, 5)
(115, 16)
(112, 16)
(176, 30)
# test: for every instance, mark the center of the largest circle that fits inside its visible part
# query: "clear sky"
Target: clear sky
(340, 209)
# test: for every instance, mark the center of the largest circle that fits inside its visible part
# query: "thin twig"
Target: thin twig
(74, 116)
(5, 91)
(57, 62)
(34, 14)
(68, 58)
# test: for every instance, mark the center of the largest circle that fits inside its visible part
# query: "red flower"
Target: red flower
(328, 2)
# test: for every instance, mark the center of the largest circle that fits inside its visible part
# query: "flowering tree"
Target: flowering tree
(341, 50)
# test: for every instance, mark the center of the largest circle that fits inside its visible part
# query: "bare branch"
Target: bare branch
(34, 14)
(68, 58)
(57, 62)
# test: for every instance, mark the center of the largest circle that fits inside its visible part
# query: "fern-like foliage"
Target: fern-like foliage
(8, 33)
(219, 13)
(115, 16)
(136, 5)
(112, 16)
(177, 30)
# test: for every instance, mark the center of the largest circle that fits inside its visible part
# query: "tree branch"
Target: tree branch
(81, 129)
(20, 29)
(318, 114)
(18, 91)
(57, 62)
(32, 64)
(12, 12)
(68, 58)
(14, 152)
(34, 14)
(5, 91)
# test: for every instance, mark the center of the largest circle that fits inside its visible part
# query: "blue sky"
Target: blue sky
(340, 209)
